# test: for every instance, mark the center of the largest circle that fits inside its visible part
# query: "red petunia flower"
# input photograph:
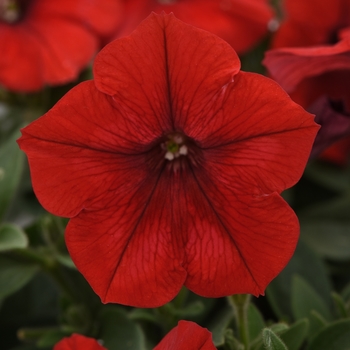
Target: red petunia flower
(170, 164)
(187, 336)
(241, 23)
(78, 342)
(318, 78)
(50, 42)
(312, 22)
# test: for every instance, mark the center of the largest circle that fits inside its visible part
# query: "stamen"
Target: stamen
(174, 146)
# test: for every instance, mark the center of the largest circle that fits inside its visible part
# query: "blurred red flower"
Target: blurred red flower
(50, 42)
(312, 22)
(187, 336)
(78, 342)
(241, 23)
(170, 164)
(318, 78)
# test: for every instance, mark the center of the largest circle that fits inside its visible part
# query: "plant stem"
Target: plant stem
(240, 303)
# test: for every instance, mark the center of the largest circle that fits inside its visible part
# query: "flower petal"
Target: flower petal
(290, 66)
(249, 142)
(180, 67)
(65, 47)
(131, 251)
(187, 336)
(74, 152)
(240, 23)
(334, 125)
(102, 16)
(237, 243)
(78, 342)
(16, 43)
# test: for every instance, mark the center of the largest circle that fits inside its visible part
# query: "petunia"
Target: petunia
(241, 23)
(187, 336)
(311, 22)
(78, 342)
(318, 78)
(50, 42)
(170, 164)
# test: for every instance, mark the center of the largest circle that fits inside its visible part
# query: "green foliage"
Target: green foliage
(335, 336)
(272, 341)
(295, 335)
(306, 264)
(12, 237)
(119, 332)
(14, 275)
(11, 166)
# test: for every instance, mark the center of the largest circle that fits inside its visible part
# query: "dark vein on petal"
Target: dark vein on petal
(255, 136)
(223, 224)
(171, 114)
(134, 230)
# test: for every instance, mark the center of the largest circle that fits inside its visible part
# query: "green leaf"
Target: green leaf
(11, 165)
(144, 315)
(329, 176)
(305, 299)
(66, 261)
(340, 305)
(219, 325)
(330, 239)
(119, 332)
(12, 237)
(276, 328)
(255, 322)
(296, 334)
(272, 341)
(50, 338)
(306, 264)
(231, 342)
(336, 209)
(14, 275)
(335, 336)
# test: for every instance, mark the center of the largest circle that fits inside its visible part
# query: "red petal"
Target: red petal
(78, 342)
(237, 244)
(312, 22)
(187, 336)
(131, 252)
(66, 47)
(240, 23)
(17, 73)
(334, 125)
(150, 72)
(102, 16)
(249, 136)
(75, 152)
(290, 66)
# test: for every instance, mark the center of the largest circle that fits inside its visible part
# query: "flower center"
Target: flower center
(174, 146)
(10, 11)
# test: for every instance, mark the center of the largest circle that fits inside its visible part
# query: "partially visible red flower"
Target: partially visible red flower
(187, 336)
(312, 22)
(50, 42)
(241, 23)
(318, 78)
(78, 342)
(338, 153)
(170, 164)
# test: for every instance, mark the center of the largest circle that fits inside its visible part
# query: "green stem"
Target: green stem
(240, 304)
(50, 266)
